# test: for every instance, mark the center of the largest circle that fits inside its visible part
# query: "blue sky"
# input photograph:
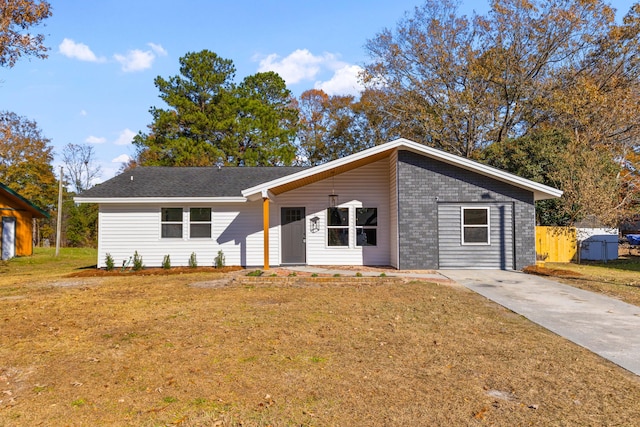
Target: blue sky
(96, 87)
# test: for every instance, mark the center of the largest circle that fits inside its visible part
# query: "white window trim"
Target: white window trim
(364, 227)
(189, 222)
(349, 244)
(487, 226)
(351, 227)
(182, 222)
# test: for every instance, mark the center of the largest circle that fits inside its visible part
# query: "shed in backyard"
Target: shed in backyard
(16, 227)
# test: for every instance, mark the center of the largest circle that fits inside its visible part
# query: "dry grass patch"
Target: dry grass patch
(619, 279)
(149, 351)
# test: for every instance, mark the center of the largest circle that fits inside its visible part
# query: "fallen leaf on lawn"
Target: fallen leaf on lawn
(480, 414)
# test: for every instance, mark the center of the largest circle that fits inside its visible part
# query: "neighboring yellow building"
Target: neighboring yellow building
(16, 224)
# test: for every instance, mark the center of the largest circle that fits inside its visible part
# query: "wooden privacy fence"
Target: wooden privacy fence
(556, 244)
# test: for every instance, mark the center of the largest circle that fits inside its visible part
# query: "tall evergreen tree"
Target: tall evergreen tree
(210, 118)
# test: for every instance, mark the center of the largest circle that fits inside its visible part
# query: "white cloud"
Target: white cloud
(79, 51)
(345, 81)
(158, 49)
(95, 140)
(83, 113)
(135, 60)
(122, 158)
(297, 66)
(302, 65)
(138, 60)
(125, 137)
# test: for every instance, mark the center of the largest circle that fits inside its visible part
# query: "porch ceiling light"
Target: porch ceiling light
(333, 197)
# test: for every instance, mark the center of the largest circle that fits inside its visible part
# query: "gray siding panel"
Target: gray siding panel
(424, 183)
(497, 255)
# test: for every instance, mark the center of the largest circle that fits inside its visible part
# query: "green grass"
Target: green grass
(44, 263)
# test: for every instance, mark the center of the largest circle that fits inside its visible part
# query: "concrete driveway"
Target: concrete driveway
(606, 326)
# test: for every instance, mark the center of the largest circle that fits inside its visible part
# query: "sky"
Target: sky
(96, 87)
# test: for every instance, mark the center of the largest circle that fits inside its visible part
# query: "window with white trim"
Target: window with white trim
(366, 226)
(475, 226)
(200, 223)
(171, 223)
(338, 227)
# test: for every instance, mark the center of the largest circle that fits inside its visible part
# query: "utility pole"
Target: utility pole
(59, 225)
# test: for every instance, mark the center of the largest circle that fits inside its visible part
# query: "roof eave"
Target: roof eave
(540, 191)
(157, 200)
(547, 195)
(35, 211)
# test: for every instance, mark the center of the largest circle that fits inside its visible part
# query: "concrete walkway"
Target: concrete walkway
(606, 326)
(344, 272)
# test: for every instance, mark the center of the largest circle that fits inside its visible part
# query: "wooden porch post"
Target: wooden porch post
(265, 225)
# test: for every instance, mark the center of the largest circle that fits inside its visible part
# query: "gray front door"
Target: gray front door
(293, 236)
(8, 237)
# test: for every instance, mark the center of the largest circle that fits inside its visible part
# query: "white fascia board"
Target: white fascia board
(159, 200)
(540, 191)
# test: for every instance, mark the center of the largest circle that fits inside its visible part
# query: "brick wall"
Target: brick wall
(424, 182)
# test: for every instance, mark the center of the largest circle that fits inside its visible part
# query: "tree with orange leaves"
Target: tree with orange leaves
(16, 16)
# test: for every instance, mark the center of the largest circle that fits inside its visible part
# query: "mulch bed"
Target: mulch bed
(97, 272)
(552, 272)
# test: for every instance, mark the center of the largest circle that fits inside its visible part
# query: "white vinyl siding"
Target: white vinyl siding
(236, 229)
(364, 187)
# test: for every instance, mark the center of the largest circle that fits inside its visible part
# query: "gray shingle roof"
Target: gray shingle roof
(152, 181)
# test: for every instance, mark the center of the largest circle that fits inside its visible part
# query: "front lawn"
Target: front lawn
(154, 350)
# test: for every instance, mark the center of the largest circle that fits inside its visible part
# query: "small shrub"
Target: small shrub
(314, 275)
(336, 275)
(358, 274)
(274, 275)
(255, 273)
(218, 261)
(137, 262)
(193, 261)
(292, 274)
(166, 262)
(383, 275)
(109, 263)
